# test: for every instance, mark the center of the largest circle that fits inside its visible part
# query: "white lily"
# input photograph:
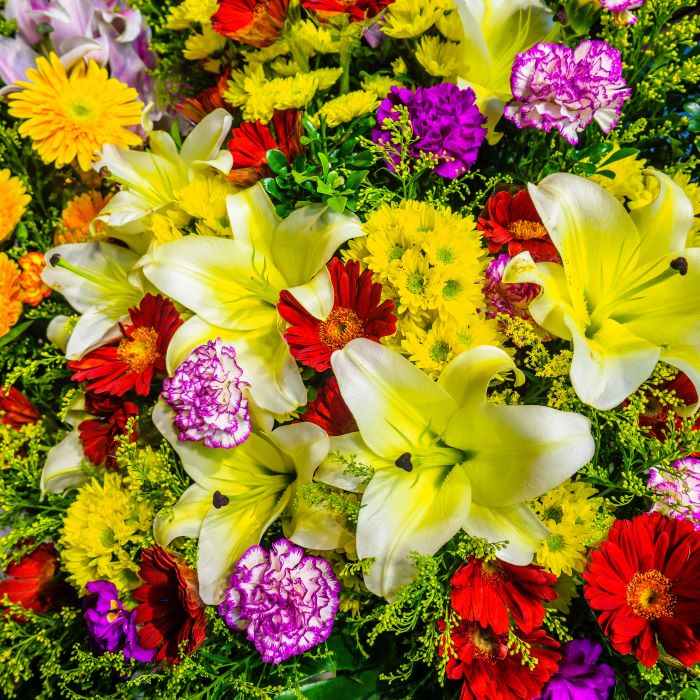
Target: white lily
(444, 458)
(239, 492)
(149, 180)
(233, 287)
(626, 295)
(494, 32)
(96, 280)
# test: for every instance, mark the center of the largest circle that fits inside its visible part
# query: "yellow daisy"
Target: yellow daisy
(10, 294)
(564, 550)
(346, 107)
(13, 202)
(72, 115)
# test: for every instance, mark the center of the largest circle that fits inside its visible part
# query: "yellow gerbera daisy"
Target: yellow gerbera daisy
(13, 202)
(72, 115)
(10, 294)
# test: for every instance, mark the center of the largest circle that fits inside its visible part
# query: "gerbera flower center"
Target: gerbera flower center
(80, 110)
(649, 595)
(525, 230)
(341, 326)
(486, 646)
(492, 571)
(140, 350)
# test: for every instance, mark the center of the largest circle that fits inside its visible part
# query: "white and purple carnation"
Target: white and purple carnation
(511, 299)
(557, 87)
(622, 9)
(680, 488)
(111, 628)
(580, 676)
(284, 600)
(206, 392)
(445, 121)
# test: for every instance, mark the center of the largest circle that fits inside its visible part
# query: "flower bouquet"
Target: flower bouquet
(349, 349)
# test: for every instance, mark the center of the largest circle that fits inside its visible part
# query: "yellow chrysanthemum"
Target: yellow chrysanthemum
(406, 19)
(432, 349)
(163, 228)
(398, 67)
(204, 197)
(201, 46)
(13, 202)
(346, 108)
(380, 85)
(10, 294)
(440, 58)
(72, 115)
(449, 24)
(574, 501)
(189, 12)
(564, 550)
(313, 38)
(102, 530)
(77, 217)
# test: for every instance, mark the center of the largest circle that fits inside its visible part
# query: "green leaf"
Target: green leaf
(362, 686)
(325, 163)
(337, 203)
(276, 160)
(354, 179)
(692, 108)
(15, 332)
(619, 155)
(175, 133)
(689, 694)
(272, 188)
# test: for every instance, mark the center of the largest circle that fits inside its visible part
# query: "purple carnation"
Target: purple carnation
(558, 87)
(206, 392)
(445, 121)
(680, 487)
(580, 676)
(111, 627)
(287, 602)
(622, 9)
(511, 299)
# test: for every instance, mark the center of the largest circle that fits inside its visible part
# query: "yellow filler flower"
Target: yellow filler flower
(13, 202)
(72, 114)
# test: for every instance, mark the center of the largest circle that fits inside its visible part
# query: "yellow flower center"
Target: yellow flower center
(525, 230)
(486, 647)
(341, 326)
(140, 351)
(649, 595)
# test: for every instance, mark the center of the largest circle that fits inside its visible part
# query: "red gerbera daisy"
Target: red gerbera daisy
(98, 435)
(357, 10)
(250, 143)
(357, 313)
(490, 672)
(170, 609)
(254, 22)
(329, 411)
(32, 581)
(513, 220)
(645, 583)
(16, 409)
(196, 108)
(656, 413)
(486, 591)
(130, 363)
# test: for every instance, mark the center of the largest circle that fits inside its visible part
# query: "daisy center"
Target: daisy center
(486, 647)
(525, 230)
(140, 350)
(80, 109)
(341, 326)
(649, 595)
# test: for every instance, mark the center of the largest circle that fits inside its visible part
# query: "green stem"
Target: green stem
(346, 47)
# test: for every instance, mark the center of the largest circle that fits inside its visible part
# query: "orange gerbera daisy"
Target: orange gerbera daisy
(34, 291)
(13, 202)
(80, 212)
(72, 115)
(10, 294)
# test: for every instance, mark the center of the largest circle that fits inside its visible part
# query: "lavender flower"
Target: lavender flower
(445, 121)
(622, 9)
(580, 676)
(681, 490)
(557, 87)
(511, 299)
(108, 31)
(207, 395)
(287, 602)
(111, 627)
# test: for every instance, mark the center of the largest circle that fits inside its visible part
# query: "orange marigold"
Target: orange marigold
(80, 212)
(34, 291)
(10, 294)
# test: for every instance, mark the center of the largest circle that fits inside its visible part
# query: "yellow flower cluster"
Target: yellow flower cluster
(430, 263)
(101, 529)
(692, 190)
(346, 107)
(407, 19)
(259, 96)
(573, 515)
(190, 12)
(200, 47)
(440, 58)
(13, 202)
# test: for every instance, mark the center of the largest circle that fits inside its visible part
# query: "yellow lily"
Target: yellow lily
(239, 493)
(494, 32)
(626, 295)
(443, 458)
(233, 287)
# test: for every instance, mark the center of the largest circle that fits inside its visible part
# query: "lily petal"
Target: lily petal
(306, 444)
(664, 223)
(318, 296)
(519, 452)
(204, 141)
(63, 468)
(408, 512)
(185, 518)
(395, 405)
(516, 524)
(353, 450)
(467, 376)
(253, 218)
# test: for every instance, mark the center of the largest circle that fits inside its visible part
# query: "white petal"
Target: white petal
(204, 141)
(63, 468)
(185, 518)
(318, 296)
